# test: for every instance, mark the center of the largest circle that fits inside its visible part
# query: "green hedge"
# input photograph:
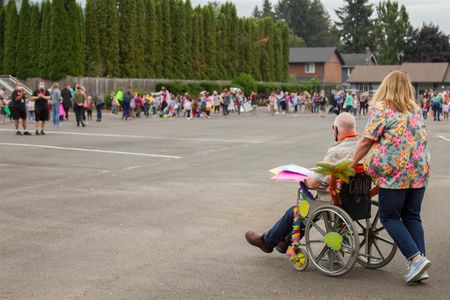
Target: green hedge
(244, 81)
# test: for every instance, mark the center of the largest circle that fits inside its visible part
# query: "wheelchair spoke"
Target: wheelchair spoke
(325, 249)
(383, 239)
(316, 241)
(331, 257)
(340, 257)
(336, 223)
(378, 230)
(362, 243)
(360, 225)
(348, 247)
(375, 220)
(326, 220)
(343, 230)
(323, 233)
(378, 249)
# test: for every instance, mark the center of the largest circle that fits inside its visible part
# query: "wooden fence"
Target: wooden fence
(101, 86)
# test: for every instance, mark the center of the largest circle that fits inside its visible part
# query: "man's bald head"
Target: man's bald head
(345, 123)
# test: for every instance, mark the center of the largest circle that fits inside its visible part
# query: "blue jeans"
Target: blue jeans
(400, 215)
(55, 114)
(31, 116)
(99, 111)
(281, 231)
(436, 112)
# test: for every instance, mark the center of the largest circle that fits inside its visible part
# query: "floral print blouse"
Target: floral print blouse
(399, 157)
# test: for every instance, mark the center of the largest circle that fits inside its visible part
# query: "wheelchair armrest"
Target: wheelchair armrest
(374, 191)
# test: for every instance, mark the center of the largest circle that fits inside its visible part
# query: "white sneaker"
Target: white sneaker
(416, 270)
(424, 275)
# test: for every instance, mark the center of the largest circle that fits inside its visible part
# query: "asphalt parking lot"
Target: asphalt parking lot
(157, 209)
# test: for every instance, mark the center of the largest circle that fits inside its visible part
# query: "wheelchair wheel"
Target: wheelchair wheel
(376, 248)
(331, 240)
(300, 260)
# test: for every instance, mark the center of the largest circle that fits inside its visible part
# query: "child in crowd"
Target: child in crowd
(89, 106)
(146, 101)
(138, 103)
(30, 109)
(187, 108)
(2, 111)
(154, 103)
(114, 103)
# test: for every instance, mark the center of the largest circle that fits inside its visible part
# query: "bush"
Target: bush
(246, 81)
(265, 88)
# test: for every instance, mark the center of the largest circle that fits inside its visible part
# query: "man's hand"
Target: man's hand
(312, 183)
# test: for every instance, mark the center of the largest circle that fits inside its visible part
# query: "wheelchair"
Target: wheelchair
(339, 235)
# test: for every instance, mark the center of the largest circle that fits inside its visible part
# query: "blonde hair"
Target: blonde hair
(396, 92)
(55, 85)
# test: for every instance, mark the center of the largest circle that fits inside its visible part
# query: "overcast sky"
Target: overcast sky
(436, 11)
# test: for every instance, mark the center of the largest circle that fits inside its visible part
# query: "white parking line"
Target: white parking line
(444, 138)
(129, 136)
(90, 150)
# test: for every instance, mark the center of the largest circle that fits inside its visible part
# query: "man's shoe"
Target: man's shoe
(37, 132)
(42, 132)
(26, 133)
(255, 239)
(417, 269)
(18, 132)
(282, 247)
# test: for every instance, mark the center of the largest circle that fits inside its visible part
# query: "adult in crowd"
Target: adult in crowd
(364, 104)
(332, 103)
(19, 109)
(41, 98)
(66, 95)
(126, 104)
(322, 103)
(79, 97)
(254, 101)
(348, 103)
(355, 104)
(340, 101)
(99, 104)
(226, 101)
(394, 144)
(437, 107)
(56, 99)
(345, 135)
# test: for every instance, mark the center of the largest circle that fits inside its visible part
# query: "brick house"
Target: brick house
(324, 63)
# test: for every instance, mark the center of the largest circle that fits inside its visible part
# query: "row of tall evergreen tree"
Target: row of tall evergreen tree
(384, 28)
(139, 38)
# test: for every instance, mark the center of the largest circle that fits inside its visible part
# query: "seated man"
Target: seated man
(279, 236)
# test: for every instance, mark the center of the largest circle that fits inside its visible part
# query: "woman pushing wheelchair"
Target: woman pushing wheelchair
(395, 151)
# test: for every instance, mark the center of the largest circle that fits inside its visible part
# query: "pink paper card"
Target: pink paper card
(289, 176)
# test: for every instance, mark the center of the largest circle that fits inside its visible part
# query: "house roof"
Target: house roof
(371, 73)
(418, 72)
(312, 54)
(425, 72)
(447, 75)
(358, 59)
